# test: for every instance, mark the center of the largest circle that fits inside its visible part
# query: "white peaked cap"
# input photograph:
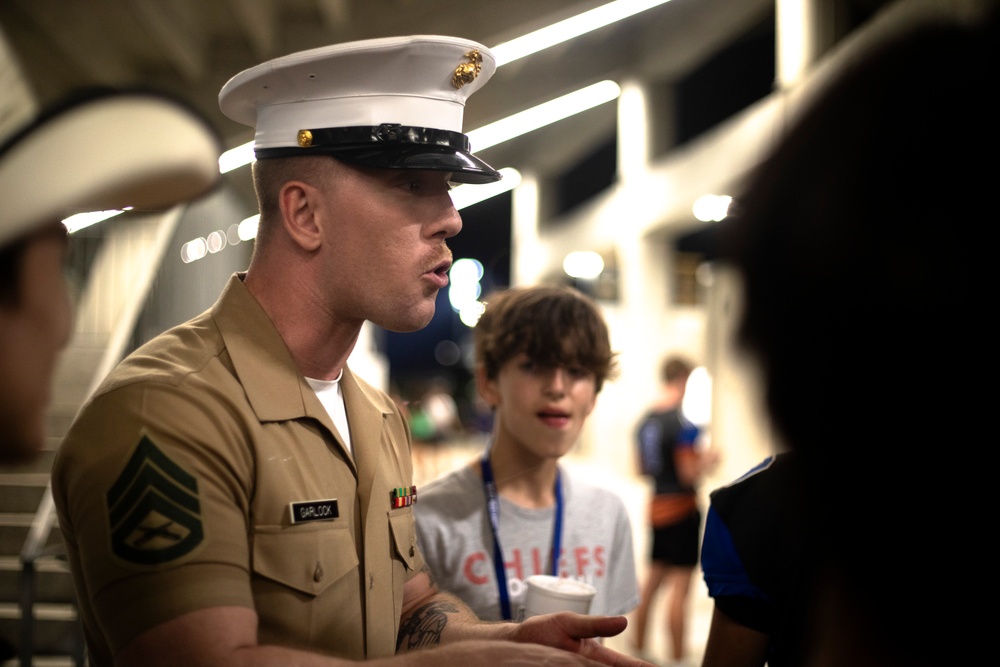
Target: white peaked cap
(394, 102)
(103, 152)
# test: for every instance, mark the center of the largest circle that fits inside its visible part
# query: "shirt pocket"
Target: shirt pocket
(404, 536)
(308, 559)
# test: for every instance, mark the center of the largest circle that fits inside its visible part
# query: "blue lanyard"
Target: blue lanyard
(493, 509)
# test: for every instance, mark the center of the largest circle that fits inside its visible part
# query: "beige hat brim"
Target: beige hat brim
(115, 151)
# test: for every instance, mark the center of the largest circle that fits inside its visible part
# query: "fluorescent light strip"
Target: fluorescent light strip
(464, 196)
(567, 29)
(543, 114)
(235, 158)
(75, 223)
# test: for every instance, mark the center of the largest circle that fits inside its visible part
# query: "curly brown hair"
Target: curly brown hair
(554, 325)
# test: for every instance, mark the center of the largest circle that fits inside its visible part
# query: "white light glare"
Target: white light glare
(235, 158)
(194, 250)
(464, 196)
(75, 223)
(233, 234)
(697, 403)
(248, 227)
(583, 264)
(464, 287)
(711, 208)
(570, 28)
(216, 241)
(471, 313)
(543, 114)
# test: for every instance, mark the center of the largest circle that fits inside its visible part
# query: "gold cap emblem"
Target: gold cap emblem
(467, 72)
(305, 138)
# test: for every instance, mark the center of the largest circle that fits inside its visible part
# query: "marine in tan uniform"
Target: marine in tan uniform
(233, 493)
(233, 484)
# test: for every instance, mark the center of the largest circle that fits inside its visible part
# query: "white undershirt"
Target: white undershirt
(332, 398)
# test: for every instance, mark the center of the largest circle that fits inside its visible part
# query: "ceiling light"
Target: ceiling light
(466, 195)
(583, 264)
(543, 114)
(567, 29)
(710, 208)
(235, 158)
(77, 222)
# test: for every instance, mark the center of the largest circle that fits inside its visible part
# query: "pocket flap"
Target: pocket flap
(404, 536)
(306, 558)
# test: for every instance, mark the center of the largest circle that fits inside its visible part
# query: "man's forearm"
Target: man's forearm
(443, 618)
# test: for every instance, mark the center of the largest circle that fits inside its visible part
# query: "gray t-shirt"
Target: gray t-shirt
(454, 534)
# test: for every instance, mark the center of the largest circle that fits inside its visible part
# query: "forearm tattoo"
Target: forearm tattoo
(424, 626)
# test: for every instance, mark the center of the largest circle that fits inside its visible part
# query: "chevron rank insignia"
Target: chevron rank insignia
(153, 509)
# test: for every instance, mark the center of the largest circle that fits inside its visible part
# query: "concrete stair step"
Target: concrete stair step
(53, 581)
(21, 492)
(43, 611)
(14, 531)
(56, 632)
(42, 462)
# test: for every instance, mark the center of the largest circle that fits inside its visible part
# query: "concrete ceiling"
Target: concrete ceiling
(192, 47)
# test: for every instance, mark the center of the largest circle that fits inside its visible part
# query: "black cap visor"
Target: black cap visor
(390, 146)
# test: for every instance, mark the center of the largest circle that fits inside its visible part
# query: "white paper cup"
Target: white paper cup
(547, 594)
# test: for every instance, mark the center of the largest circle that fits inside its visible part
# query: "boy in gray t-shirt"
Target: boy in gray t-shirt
(542, 356)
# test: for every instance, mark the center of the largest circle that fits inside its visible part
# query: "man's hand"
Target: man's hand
(431, 617)
(575, 633)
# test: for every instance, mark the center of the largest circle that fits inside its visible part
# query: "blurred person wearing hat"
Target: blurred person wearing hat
(70, 160)
(233, 493)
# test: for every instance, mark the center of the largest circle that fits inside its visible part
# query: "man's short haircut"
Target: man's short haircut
(271, 173)
(554, 325)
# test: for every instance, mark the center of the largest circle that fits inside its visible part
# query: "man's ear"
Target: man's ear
(300, 203)
(487, 388)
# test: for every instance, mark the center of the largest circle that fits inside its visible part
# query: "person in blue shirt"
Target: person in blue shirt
(669, 453)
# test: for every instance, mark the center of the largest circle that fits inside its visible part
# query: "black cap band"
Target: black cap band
(392, 146)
